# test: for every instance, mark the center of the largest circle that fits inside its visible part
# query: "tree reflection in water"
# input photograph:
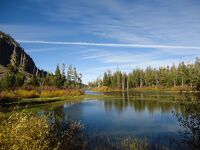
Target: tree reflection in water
(148, 101)
(127, 103)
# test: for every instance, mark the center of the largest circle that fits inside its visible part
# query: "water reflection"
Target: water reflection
(129, 114)
(149, 102)
(142, 105)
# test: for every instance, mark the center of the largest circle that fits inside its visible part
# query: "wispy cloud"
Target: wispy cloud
(158, 22)
(125, 34)
(111, 44)
(45, 49)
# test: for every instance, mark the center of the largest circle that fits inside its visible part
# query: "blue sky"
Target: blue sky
(98, 35)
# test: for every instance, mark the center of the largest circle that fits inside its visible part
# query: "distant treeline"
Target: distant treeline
(182, 75)
(17, 76)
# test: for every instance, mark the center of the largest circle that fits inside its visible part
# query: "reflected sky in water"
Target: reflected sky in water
(148, 115)
(111, 117)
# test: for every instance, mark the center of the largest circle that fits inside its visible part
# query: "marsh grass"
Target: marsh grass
(61, 93)
(12, 96)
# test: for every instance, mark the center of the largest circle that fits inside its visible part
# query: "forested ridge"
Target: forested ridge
(7, 46)
(17, 76)
(17, 69)
(181, 75)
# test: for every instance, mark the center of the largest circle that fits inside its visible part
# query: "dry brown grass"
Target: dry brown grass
(165, 89)
(146, 88)
(61, 93)
(24, 94)
(27, 94)
(105, 89)
(18, 94)
(7, 95)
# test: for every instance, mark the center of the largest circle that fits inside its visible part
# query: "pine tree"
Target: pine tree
(63, 76)
(70, 75)
(75, 77)
(58, 78)
(105, 79)
(80, 80)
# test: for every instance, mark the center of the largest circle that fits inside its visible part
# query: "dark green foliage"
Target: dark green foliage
(58, 82)
(49, 80)
(73, 78)
(182, 75)
(33, 81)
(21, 70)
(8, 81)
(19, 79)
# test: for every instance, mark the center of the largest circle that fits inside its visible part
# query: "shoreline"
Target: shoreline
(147, 89)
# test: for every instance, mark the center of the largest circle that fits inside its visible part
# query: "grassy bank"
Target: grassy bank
(176, 89)
(105, 89)
(16, 95)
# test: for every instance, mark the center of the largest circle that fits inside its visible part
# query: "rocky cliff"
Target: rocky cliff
(7, 46)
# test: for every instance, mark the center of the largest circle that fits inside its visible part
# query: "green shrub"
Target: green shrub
(24, 131)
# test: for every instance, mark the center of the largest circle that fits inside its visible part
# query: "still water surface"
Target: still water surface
(143, 115)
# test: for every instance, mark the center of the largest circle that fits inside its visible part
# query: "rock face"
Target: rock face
(7, 46)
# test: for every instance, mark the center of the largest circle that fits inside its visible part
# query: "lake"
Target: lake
(147, 115)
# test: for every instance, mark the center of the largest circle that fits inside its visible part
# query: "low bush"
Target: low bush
(24, 131)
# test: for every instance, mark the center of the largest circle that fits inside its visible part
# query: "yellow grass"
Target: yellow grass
(143, 89)
(27, 94)
(24, 131)
(61, 93)
(165, 89)
(104, 89)
(7, 95)
(23, 94)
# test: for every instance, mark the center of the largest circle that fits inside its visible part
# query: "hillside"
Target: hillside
(7, 46)
(2, 70)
